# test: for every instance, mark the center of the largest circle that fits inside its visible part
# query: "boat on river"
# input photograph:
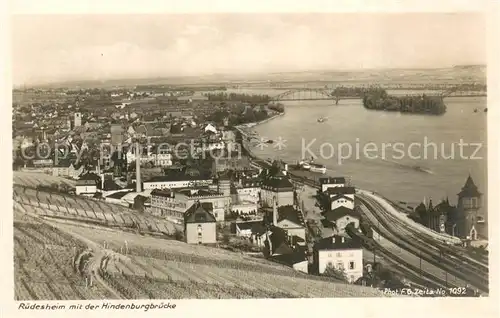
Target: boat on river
(322, 119)
(316, 167)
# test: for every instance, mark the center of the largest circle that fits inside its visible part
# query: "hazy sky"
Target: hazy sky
(54, 48)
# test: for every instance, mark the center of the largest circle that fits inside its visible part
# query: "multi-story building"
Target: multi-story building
(277, 189)
(174, 181)
(330, 182)
(165, 204)
(200, 224)
(174, 203)
(339, 253)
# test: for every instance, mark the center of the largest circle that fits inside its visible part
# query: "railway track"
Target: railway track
(434, 252)
(435, 246)
(415, 244)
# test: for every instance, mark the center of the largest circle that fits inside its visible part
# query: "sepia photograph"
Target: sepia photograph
(249, 155)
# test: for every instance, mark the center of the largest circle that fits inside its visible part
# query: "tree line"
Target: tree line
(235, 97)
(423, 104)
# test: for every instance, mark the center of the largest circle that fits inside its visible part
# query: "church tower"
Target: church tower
(469, 204)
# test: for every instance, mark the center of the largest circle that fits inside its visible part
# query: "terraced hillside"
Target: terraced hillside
(64, 206)
(46, 266)
(35, 179)
(68, 247)
(138, 266)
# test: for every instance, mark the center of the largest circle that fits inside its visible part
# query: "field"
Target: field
(147, 267)
(44, 265)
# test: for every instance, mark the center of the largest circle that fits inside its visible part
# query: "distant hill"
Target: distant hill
(460, 73)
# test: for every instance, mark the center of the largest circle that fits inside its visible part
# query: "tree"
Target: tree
(338, 273)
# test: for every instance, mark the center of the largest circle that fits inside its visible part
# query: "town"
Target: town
(175, 164)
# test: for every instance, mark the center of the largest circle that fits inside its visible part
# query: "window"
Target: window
(474, 203)
(329, 255)
(351, 265)
(339, 254)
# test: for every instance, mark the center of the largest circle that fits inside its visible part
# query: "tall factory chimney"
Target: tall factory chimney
(137, 168)
(275, 212)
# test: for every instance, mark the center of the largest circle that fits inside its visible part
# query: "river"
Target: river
(442, 173)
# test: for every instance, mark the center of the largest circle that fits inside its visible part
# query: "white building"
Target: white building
(249, 191)
(290, 219)
(173, 204)
(340, 253)
(277, 188)
(173, 182)
(86, 187)
(341, 217)
(244, 208)
(159, 160)
(330, 182)
(341, 196)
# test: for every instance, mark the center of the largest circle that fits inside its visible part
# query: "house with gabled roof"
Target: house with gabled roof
(340, 217)
(341, 196)
(200, 224)
(341, 253)
(291, 219)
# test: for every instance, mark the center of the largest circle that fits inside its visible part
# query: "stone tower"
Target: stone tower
(469, 205)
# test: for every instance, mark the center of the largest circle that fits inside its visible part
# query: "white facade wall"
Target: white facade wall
(86, 189)
(351, 260)
(342, 202)
(282, 198)
(243, 209)
(248, 194)
(150, 185)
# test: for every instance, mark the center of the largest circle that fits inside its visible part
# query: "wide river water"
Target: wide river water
(392, 173)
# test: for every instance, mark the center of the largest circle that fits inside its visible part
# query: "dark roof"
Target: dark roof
(62, 163)
(161, 193)
(199, 213)
(338, 196)
(140, 198)
(341, 190)
(257, 227)
(469, 190)
(335, 243)
(84, 182)
(296, 256)
(326, 223)
(110, 185)
(279, 183)
(335, 214)
(118, 195)
(279, 241)
(332, 180)
(90, 176)
(288, 212)
(198, 192)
